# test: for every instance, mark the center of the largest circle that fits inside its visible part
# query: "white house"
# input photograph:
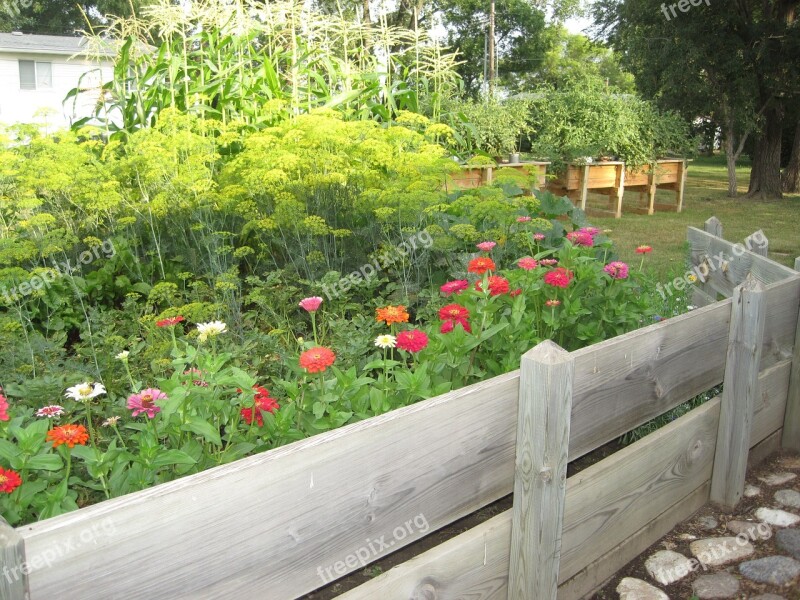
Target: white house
(37, 72)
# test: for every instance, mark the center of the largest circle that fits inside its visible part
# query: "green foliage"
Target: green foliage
(494, 128)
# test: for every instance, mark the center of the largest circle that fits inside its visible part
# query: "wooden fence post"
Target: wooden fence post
(760, 249)
(791, 421)
(13, 571)
(713, 226)
(739, 393)
(540, 482)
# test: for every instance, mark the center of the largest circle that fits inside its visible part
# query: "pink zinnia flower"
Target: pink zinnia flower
(412, 341)
(52, 411)
(538, 237)
(486, 246)
(552, 303)
(310, 304)
(580, 238)
(592, 231)
(617, 270)
(144, 402)
(454, 287)
(3, 408)
(524, 219)
(644, 249)
(527, 263)
(559, 277)
(198, 382)
(548, 262)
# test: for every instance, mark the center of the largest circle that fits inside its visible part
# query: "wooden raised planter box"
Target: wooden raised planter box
(667, 174)
(285, 522)
(471, 177)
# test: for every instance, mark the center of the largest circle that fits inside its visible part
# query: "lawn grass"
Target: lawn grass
(705, 196)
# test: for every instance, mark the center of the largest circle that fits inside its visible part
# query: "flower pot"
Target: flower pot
(513, 158)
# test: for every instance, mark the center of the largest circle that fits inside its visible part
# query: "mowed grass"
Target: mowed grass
(705, 196)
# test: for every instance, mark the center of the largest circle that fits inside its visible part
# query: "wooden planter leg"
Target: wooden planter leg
(681, 185)
(584, 187)
(540, 482)
(651, 191)
(739, 393)
(620, 191)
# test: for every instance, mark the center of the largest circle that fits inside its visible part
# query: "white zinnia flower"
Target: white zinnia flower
(123, 355)
(385, 341)
(210, 329)
(85, 391)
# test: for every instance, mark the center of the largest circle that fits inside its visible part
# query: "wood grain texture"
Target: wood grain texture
(757, 243)
(272, 521)
(764, 449)
(545, 402)
(650, 480)
(791, 424)
(13, 571)
(770, 403)
(739, 394)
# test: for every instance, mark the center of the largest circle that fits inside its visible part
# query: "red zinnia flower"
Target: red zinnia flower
(392, 314)
(263, 402)
(412, 341)
(454, 287)
(497, 285)
(480, 265)
(170, 321)
(644, 249)
(559, 277)
(68, 434)
(453, 312)
(524, 219)
(9, 480)
(527, 263)
(515, 292)
(450, 324)
(317, 359)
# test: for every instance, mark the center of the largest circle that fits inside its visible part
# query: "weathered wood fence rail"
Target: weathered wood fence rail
(283, 523)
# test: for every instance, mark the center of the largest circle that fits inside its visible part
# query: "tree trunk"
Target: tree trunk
(730, 158)
(765, 177)
(791, 176)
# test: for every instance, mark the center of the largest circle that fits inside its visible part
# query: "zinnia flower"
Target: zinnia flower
(144, 402)
(85, 391)
(486, 246)
(480, 265)
(123, 356)
(524, 219)
(497, 285)
(310, 304)
(9, 480)
(51, 412)
(449, 325)
(617, 269)
(644, 249)
(515, 292)
(454, 287)
(70, 434)
(392, 314)
(580, 238)
(169, 321)
(3, 408)
(198, 382)
(559, 277)
(548, 262)
(414, 340)
(538, 237)
(210, 329)
(527, 263)
(385, 341)
(263, 402)
(317, 359)
(552, 303)
(452, 314)
(111, 421)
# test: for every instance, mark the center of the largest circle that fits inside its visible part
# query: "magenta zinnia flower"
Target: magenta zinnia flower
(527, 263)
(144, 402)
(580, 238)
(412, 341)
(454, 287)
(310, 304)
(617, 270)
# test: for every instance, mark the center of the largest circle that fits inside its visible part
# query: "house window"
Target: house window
(35, 75)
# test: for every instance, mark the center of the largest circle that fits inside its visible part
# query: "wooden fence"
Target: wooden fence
(280, 524)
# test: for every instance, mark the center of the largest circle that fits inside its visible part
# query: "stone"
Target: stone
(707, 523)
(687, 537)
(721, 551)
(767, 597)
(774, 570)
(666, 566)
(752, 530)
(718, 585)
(790, 498)
(751, 491)
(788, 540)
(777, 517)
(778, 478)
(790, 462)
(636, 589)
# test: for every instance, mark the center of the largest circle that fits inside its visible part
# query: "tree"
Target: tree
(62, 18)
(735, 62)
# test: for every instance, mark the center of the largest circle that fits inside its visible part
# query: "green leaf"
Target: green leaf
(203, 428)
(45, 462)
(172, 457)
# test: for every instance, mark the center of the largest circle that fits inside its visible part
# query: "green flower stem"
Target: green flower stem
(89, 424)
(119, 436)
(314, 327)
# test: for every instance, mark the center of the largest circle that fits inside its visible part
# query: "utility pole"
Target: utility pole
(492, 73)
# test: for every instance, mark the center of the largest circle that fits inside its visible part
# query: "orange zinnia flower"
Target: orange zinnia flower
(68, 434)
(392, 314)
(317, 359)
(480, 265)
